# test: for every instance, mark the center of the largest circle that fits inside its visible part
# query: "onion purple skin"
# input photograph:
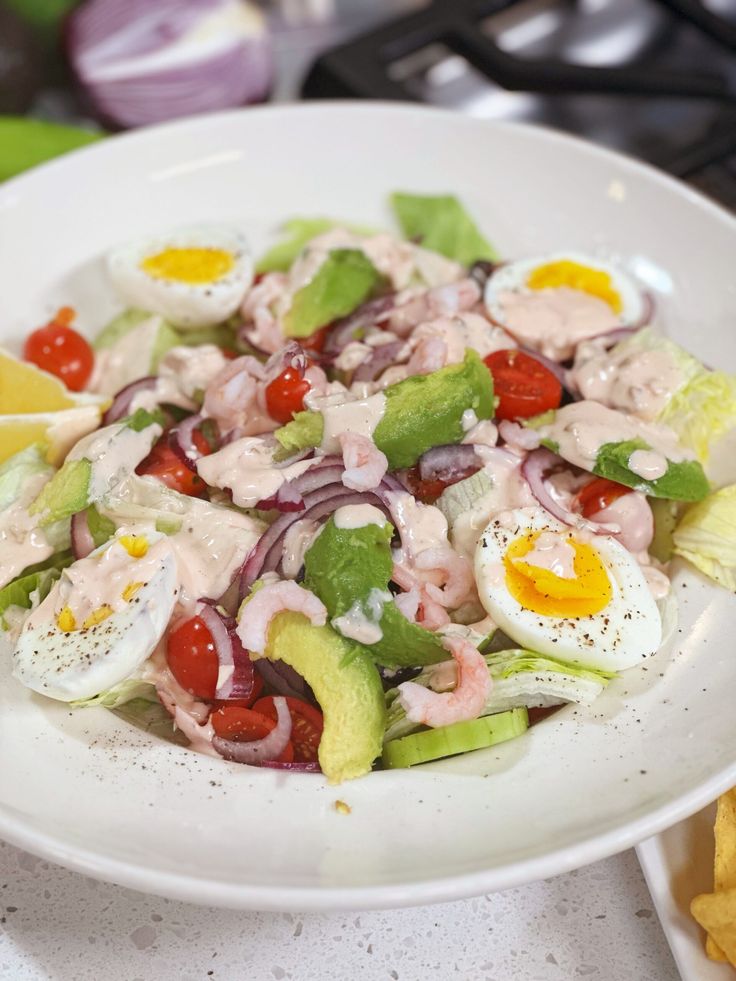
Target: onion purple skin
(120, 405)
(241, 74)
(281, 679)
(82, 541)
(534, 469)
(450, 462)
(259, 750)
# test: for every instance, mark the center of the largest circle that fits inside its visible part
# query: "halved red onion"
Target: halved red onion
(181, 440)
(296, 766)
(292, 356)
(82, 541)
(449, 462)
(368, 314)
(286, 499)
(236, 678)
(259, 750)
(121, 403)
(140, 62)
(535, 468)
(283, 679)
(382, 358)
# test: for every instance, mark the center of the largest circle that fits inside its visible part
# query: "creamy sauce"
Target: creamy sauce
(362, 621)
(657, 581)
(183, 373)
(632, 514)
(343, 413)
(483, 433)
(114, 453)
(640, 382)
(552, 551)
(128, 359)
(353, 516)
(298, 539)
(246, 467)
(554, 321)
(463, 331)
(508, 490)
(421, 526)
(22, 542)
(647, 464)
(582, 428)
(352, 355)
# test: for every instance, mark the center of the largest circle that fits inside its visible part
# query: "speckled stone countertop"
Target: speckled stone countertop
(597, 923)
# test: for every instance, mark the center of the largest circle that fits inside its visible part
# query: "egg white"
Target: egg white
(182, 304)
(82, 663)
(511, 277)
(624, 633)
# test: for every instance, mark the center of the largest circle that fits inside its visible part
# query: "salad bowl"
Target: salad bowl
(90, 791)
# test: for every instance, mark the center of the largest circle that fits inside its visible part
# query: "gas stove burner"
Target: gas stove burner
(656, 78)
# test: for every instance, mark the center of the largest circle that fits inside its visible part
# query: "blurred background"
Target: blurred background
(655, 78)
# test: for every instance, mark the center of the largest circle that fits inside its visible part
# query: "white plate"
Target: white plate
(90, 792)
(678, 865)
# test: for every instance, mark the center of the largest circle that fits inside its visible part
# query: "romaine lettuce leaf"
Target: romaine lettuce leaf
(345, 279)
(33, 586)
(303, 432)
(706, 536)
(126, 691)
(17, 469)
(441, 223)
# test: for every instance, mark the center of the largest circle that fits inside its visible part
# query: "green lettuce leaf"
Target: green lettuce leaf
(17, 469)
(24, 143)
(100, 527)
(126, 691)
(303, 432)
(706, 536)
(683, 481)
(345, 279)
(298, 233)
(35, 583)
(441, 223)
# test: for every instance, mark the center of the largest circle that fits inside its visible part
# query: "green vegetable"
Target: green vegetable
(461, 737)
(520, 679)
(347, 686)
(24, 143)
(129, 320)
(349, 567)
(462, 497)
(706, 536)
(683, 481)
(126, 691)
(142, 419)
(36, 580)
(18, 469)
(100, 528)
(665, 515)
(298, 233)
(148, 714)
(442, 224)
(303, 432)
(427, 410)
(65, 494)
(345, 279)
(45, 15)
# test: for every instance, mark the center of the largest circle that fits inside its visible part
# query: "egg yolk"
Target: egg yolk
(542, 591)
(195, 267)
(575, 276)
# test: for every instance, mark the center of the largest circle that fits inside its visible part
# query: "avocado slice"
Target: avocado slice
(346, 566)
(347, 686)
(421, 412)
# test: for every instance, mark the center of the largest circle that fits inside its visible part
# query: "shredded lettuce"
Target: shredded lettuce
(706, 536)
(462, 497)
(17, 469)
(520, 678)
(124, 692)
(441, 223)
(303, 432)
(31, 588)
(345, 279)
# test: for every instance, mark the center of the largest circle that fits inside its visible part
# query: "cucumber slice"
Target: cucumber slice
(461, 737)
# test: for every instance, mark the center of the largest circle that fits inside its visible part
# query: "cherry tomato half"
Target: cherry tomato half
(307, 724)
(192, 659)
(285, 395)
(165, 464)
(522, 384)
(60, 350)
(427, 491)
(246, 725)
(598, 494)
(241, 702)
(316, 341)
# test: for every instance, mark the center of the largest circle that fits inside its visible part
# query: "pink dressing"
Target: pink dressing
(246, 467)
(552, 551)
(22, 542)
(554, 321)
(647, 464)
(183, 373)
(298, 540)
(632, 514)
(640, 382)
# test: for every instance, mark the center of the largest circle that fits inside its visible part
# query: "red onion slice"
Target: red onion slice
(236, 677)
(284, 680)
(368, 314)
(382, 358)
(82, 541)
(450, 462)
(535, 468)
(122, 401)
(259, 750)
(555, 367)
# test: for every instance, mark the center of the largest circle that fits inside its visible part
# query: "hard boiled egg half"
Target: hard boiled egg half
(568, 294)
(193, 277)
(566, 593)
(101, 620)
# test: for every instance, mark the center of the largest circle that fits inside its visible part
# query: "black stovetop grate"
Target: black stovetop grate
(362, 68)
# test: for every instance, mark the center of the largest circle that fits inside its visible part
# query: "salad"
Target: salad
(373, 500)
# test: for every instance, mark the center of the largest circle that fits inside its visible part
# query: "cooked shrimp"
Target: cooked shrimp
(262, 328)
(455, 571)
(420, 602)
(365, 464)
(235, 398)
(429, 355)
(466, 701)
(418, 306)
(269, 600)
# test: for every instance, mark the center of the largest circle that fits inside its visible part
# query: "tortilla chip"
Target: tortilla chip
(713, 951)
(716, 913)
(724, 871)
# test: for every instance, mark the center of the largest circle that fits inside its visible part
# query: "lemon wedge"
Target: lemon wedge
(35, 406)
